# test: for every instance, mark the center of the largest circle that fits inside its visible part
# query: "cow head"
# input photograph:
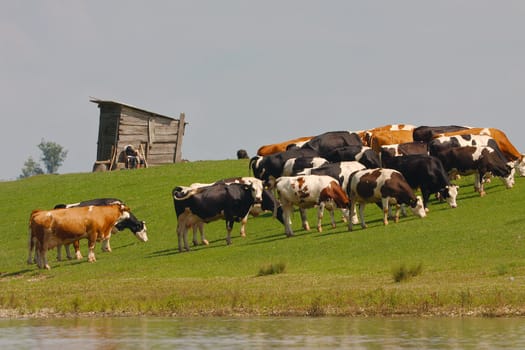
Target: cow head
(137, 227)
(509, 180)
(520, 165)
(449, 193)
(418, 208)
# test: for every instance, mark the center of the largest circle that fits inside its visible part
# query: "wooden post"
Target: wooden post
(180, 134)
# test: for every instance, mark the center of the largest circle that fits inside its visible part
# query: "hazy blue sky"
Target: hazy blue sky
(249, 73)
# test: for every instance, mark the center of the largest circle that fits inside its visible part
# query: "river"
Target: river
(262, 333)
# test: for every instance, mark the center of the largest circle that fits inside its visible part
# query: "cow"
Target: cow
(137, 227)
(307, 191)
(367, 135)
(506, 147)
(426, 133)
(341, 171)
(384, 186)
(442, 143)
(269, 168)
(403, 149)
(48, 228)
(426, 173)
(477, 160)
(266, 150)
(295, 165)
(363, 154)
(232, 202)
(328, 141)
(264, 201)
(380, 138)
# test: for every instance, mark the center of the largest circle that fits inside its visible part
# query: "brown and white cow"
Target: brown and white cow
(385, 186)
(367, 135)
(266, 150)
(136, 226)
(307, 191)
(49, 228)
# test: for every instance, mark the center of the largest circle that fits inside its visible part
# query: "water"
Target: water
(262, 333)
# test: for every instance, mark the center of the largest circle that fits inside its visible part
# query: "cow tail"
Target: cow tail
(250, 164)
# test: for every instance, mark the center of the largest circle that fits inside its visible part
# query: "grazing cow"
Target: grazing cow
(264, 201)
(363, 154)
(380, 138)
(426, 173)
(266, 150)
(210, 203)
(385, 186)
(426, 133)
(48, 228)
(307, 191)
(137, 227)
(325, 143)
(367, 135)
(341, 171)
(295, 165)
(269, 168)
(506, 147)
(477, 160)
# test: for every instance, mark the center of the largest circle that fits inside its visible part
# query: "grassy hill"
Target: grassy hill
(466, 261)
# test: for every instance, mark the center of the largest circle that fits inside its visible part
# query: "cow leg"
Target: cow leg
(229, 227)
(182, 235)
(304, 219)
(362, 214)
(91, 248)
(287, 218)
(320, 212)
(384, 203)
(42, 256)
(59, 252)
(200, 228)
(243, 225)
(105, 245)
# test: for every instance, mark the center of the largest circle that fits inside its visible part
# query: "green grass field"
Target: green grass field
(464, 261)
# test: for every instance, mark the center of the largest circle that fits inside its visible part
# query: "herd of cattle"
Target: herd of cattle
(339, 169)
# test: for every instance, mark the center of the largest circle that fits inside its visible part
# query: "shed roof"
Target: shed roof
(100, 102)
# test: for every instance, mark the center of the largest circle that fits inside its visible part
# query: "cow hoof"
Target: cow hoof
(48, 267)
(195, 243)
(243, 234)
(228, 242)
(319, 229)
(482, 193)
(205, 242)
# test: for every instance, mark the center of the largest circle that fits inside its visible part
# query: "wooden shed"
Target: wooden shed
(157, 137)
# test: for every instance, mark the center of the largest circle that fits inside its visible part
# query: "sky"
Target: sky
(249, 73)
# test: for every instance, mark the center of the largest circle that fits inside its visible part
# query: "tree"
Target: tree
(31, 168)
(53, 155)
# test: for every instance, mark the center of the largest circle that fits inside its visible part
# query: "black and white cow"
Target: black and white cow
(477, 160)
(328, 141)
(295, 165)
(264, 201)
(136, 226)
(307, 191)
(384, 186)
(359, 153)
(268, 168)
(426, 133)
(231, 202)
(403, 149)
(426, 173)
